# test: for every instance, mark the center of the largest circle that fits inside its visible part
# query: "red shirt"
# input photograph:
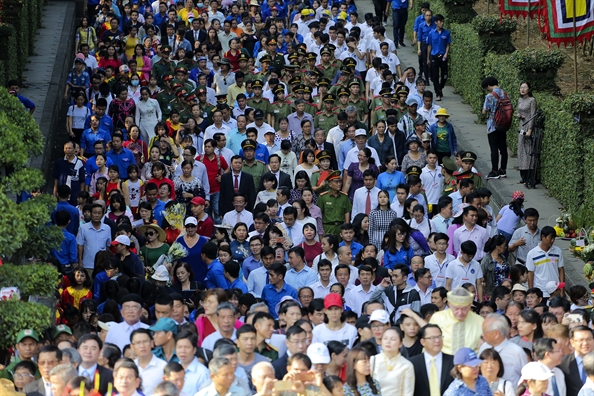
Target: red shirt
(213, 169)
(206, 227)
(166, 181)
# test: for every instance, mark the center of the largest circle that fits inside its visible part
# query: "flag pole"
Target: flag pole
(528, 26)
(575, 62)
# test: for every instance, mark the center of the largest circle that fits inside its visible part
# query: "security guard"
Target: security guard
(250, 164)
(279, 108)
(450, 182)
(257, 101)
(206, 108)
(335, 205)
(343, 100)
(164, 66)
(468, 159)
(327, 68)
(327, 118)
(323, 85)
(379, 113)
(166, 98)
(319, 178)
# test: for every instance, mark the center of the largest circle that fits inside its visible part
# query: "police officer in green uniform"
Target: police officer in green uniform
(327, 118)
(343, 100)
(250, 164)
(243, 61)
(335, 205)
(277, 60)
(262, 75)
(293, 85)
(310, 107)
(268, 351)
(401, 107)
(346, 75)
(450, 182)
(280, 107)
(311, 58)
(181, 76)
(379, 113)
(166, 98)
(468, 159)
(326, 67)
(319, 178)
(356, 100)
(185, 112)
(206, 108)
(24, 339)
(323, 90)
(164, 65)
(257, 101)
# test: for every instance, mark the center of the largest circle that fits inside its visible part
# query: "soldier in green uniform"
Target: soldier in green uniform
(335, 205)
(311, 58)
(468, 159)
(164, 65)
(379, 113)
(257, 101)
(346, 75)
(166, 98)
(323, 85)
(205, 108)
(277, 60)
(243, 61)
(262, 75)
(343, 100)
(185, 112)
(450, 182)
(250, 164)
(336, 62)
(400, 106)
(181, 75)
(327, 118)
(279, 108)
(328, 69)
(293, 84)
(319, 182)
(310, 107)
(291, 70)
(27, 344)
(356, 100)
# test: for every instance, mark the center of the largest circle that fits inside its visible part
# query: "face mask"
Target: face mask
(200, 5)
(117, 48)
(135, 82)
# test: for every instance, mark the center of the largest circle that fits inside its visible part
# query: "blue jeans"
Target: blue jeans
(399, 16)
(213, 209)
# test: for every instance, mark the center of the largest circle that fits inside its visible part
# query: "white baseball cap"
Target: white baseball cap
(360, 132)
(161, 274)
(318, 353)
(122, 239)
(191, 220)
(535, 371)
(380, 315)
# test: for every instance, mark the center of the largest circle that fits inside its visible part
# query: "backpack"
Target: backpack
(504, 112)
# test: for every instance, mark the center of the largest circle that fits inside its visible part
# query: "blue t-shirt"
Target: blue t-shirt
(439, 41)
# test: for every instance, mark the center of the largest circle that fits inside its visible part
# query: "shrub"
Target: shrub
(459, 11)
(18, 315)
(539, 67)
(495, 33)
(8, 51)
(32, 279)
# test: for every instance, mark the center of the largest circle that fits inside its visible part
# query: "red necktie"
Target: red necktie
(368, 202)
(236, 184)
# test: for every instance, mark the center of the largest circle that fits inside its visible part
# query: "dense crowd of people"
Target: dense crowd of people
(258, 198)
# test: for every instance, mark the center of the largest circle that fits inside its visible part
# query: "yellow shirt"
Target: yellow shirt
(184, 13)
(472, 328)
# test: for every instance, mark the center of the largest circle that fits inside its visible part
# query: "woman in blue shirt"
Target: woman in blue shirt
(467, 381)
(240, 246)
(391, 178)
(398, 249)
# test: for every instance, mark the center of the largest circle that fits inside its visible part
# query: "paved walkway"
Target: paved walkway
(45, 75)
(473, 136)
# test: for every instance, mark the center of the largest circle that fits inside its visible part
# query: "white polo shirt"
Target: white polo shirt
(545, 266)
(438, 270)
(461, 274)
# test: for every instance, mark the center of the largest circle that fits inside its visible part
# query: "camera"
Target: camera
(522, 132)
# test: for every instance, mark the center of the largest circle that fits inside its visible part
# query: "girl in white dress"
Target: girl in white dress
(148, 114)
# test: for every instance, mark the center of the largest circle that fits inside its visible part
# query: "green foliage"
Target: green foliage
(495, 33)
(459, 11)
(36, 279)
(8, 51)
(18, 315)
(437, 7)
(538, 67)
(466, 65)
(579, 103)
(29, 132)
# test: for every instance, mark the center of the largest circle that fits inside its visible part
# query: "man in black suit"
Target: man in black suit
(89, 346)
(235, 182)
(283, 179)
(582, 341)
(296, 343)
(49, 357)
(196, 33)
(325, 149)
(431, 339)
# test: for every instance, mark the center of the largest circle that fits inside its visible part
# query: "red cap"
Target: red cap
(198, 201)
(333, 300)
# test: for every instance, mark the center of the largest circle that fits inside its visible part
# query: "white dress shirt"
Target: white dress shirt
(560, 377)
(211, 130)
(360, 200)
(197, 378)
(211, 339)
(432, 182)
(438, 270)
(352, 156)
(152, 374)
(425, 297)
(245, 217)
(397, 207)
(261, 130)
(256, 281)
(119, 333)
(321, 291)
(357, 296)
(513, 358)
(430, 113)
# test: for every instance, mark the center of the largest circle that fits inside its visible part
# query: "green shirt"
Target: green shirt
(443, 145)
(262, 104)
(334, 208)
(256, 169)
(150, 256)
(278, 111)
(268, 351)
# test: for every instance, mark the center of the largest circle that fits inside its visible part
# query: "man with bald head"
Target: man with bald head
(495, 332)
(345, 257)
(263, 378)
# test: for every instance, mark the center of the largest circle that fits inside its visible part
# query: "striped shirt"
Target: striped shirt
(545, 266)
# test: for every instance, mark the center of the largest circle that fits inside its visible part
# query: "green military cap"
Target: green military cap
(449, 164)
(468, 156)
(312, 56)
(257, 84)
(330, 98)
(334, 175)
(349, 62)
(242, 57)
(323, 155)
(181, 69)
(413, 170)
(27, 333)
(323, 81)
(279, 88)
(325, 50)
(343, 92)
(386, 93)
(248, 144)
(354, 82)
(295, 81)
(168, 76)
(300, 88)
(266, 58)
(59, 329)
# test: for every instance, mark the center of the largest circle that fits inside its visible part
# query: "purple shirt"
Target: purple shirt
(295, 122)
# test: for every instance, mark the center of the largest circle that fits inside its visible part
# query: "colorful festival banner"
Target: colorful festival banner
(517, 8)
(557, 20)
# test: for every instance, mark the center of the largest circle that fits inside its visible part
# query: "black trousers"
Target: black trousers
(439, 73)
(498, 145)
(380, 10)
(399, 17)
(423, 66)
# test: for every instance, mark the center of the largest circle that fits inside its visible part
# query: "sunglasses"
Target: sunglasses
(149, 234)
(191, 226)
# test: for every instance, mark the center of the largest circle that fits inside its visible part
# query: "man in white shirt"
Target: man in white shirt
(197, 376)
(362, 293)
(495, 332)
(438, 262)
(336, 134)
(398, 202)
(424, 280)
(549, 353)
(226, 321)
(443, 219)
(119, 333)
(390, 59)
(352, 155)
(322, 287)
(149, 366)
(470, 231)
(258, 278)
(545, 262)
(293, 227)
(465, 270)
(432, 178)
(239, 214)
(429, 109)
(260, 125)
(217, 126)
(365, 198)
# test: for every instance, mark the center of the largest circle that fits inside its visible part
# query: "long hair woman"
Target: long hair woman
(358, 376)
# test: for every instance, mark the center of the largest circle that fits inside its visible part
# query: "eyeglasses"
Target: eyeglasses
(149, 234)
(22, 376)
(427, 277)
(433, 338)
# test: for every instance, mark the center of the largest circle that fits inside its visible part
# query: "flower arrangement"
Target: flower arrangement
(175, 252)
(175, 215)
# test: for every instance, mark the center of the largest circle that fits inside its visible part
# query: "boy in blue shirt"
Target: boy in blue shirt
(67, 253)
(438, 48)
(13, 89)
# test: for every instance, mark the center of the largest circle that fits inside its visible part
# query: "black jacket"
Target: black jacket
(422, 377)
(246, 187)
